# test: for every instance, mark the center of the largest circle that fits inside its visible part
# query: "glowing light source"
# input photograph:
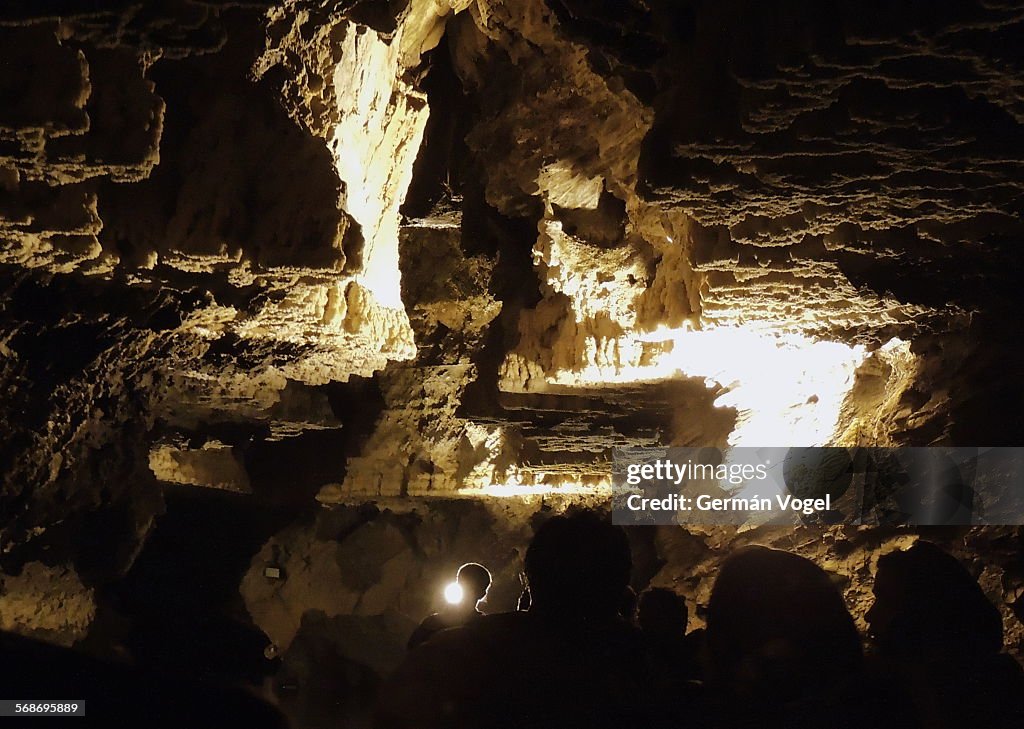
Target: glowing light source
(787, 388)
(563, 486)
(453, 593)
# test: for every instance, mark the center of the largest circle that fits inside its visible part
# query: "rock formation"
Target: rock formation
(408, 271)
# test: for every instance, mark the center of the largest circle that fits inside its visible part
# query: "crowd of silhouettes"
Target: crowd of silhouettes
(780, 648)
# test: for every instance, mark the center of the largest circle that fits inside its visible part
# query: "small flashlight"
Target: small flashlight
(453, 593)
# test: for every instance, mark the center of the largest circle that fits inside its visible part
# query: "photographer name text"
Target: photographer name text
(704, 502)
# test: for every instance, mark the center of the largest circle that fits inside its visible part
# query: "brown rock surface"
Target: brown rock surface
(443, 256)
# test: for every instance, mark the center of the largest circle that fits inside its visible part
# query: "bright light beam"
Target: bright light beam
(788, 388)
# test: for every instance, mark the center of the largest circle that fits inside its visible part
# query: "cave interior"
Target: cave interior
(304, 303)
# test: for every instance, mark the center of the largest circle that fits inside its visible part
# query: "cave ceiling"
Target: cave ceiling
(452, 246)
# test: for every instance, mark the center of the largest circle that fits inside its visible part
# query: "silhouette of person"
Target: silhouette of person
(570, 660)
(474, 580)
(782, 647)
(939, 640)
(671, 655)
(663, 616)
(662, 613)
(627, 606)
(523, 603)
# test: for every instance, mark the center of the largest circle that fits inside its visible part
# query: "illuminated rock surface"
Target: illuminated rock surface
(442, 256)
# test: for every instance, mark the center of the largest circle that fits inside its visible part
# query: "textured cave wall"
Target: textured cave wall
(875, 141)
(364, 262)
(179, 274)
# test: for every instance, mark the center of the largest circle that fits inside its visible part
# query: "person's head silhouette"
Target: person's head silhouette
(474, 579)
(778, 629)
(662, 612)
(926, 602)
(578, 566)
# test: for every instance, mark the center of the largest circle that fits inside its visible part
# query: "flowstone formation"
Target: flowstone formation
(404, 273)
